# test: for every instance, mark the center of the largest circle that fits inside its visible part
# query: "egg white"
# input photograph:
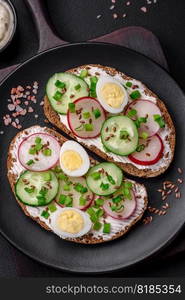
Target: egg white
(86, 228)
(108, 79)
(74, 146)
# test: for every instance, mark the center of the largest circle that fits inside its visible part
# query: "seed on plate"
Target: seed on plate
(180, 170)
(176, 190)
(178, 195)
(180, 180)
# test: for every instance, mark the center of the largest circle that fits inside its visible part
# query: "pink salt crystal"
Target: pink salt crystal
(115, 16)
(42, 103)
(14, 124)
(144, 9)
(18, 102)
(17, 121)
(26, 102)
(128, 3)
(11, 107)
(18, 108)
(30, 109)
(35, 91)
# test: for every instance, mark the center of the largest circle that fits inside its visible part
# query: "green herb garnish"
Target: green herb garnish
(45, 214)
(96, 113)
(144, 135)
(104, 186)
(97, 226)
(131, 113)
(99, 212)
(99, 202)
(47, 176)
(62, 176)
(29, 190)
(86, 115)
(159, 120)
(77, 87)
(83, 73)
(52, 207)
(140, 148)
(38, 140)
(139, 121)
(93, 82)
(62, 199)
(106, 228)
(41, 200)
(57, 96)
(80, 188)
(88, 127)
(47, 152)
(82, 201)
(110, 179)
(38, 147)
(123, 135)
(30, 162)
(135, 95)
(128, 84)
(96, 175)
(32, 150)
(117, 199)
(66, 187)
(59, 84)
(80, 128)
(71, 107)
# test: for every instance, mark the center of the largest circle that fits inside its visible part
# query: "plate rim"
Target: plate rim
(142, 258)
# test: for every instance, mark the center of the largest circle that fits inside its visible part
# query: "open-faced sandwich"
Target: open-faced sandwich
(115, 116)
(58, 185)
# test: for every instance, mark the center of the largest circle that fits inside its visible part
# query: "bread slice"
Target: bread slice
(169, 135)
(119, 228)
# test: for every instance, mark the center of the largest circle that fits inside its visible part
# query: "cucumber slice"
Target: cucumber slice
(36, 188)
(108, 182)
(75, 188)
(119, 135)
(75, 88)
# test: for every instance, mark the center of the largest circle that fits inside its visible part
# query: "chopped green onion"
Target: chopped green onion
(52, 207)
(86, 115)
(68, 201)
(57, 169)
(62, 176)
(88, 127)
(71, 107)
(59, 84)
(30, 162)
(117, 199)
(100, 212)
(93, 81)
(110, 179)
(47, 176)
(139, 121)
(62, 199)
(135, 95)
(32, 150)
(80, 188)
(123, 135)
(83, 73)
(41, 200)
(131, 113)
(38, 140)
(38, 147)
(94, 218)
(104, 186)
(128, 84)
(43, 191)
(29, 190)
(66, 187)
(57, 96)
(47, 152)
(106, 228)
(144, 135)
(127, 184)
(90, 211)
(77, 87)
(99, 202)
(96, 175)
(97, 226)
(159, 120)
(126, 193)
(140, 148)
(96, 113)
(117, 208)
(82, 201)
(45, 214)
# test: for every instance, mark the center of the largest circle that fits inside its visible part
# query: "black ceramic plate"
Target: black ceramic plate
(143, 240)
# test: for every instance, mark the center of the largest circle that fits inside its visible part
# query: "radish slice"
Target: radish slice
(42, 159)
(73, 193)
(146, 108)
(86, 121)
(152, 152)
(129, 208)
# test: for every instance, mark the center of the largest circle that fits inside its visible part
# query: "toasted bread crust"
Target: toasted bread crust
(87, 239)
(129, 168)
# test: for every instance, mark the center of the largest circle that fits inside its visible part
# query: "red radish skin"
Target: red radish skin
(124, 214)
(30, 168)
(149, 162)
(144, 107)
(80, 207)
(103, 117)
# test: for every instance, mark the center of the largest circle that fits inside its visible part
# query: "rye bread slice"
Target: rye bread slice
(89, 238)
(127, 167)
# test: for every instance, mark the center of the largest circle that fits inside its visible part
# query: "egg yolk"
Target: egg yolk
(112, 94)
(70, 221)
(71, 160)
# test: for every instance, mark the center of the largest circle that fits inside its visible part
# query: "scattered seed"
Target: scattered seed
(180, 170)
(180, 180)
